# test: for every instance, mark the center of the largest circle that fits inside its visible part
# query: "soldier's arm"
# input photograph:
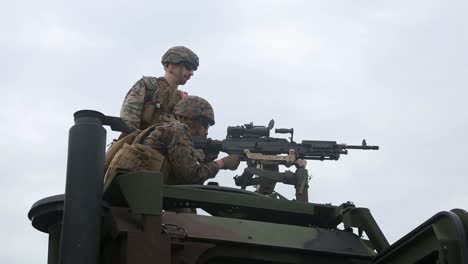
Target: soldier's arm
(133, 105)
(183, 158)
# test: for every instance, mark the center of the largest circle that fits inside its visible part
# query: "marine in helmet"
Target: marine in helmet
(152, 100)
(168, 148)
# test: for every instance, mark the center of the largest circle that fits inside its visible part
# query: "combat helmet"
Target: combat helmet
(180, 54)
(195, 107)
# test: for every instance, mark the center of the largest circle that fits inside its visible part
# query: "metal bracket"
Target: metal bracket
(286, 160)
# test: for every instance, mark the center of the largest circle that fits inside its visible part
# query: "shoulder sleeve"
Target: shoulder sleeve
(183, 158)
(133, 105)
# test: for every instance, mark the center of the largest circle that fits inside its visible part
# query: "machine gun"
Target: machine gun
(264, 154)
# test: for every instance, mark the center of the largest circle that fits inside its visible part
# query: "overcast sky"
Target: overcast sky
(393, 72)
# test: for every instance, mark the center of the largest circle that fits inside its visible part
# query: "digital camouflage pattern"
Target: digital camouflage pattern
(150, 101)
(178, 54)
(173, 140)
(194, 107)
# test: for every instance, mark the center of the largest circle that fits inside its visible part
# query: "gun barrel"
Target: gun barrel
(366, 147)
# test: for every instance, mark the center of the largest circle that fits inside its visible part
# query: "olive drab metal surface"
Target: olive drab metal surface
(133, 219)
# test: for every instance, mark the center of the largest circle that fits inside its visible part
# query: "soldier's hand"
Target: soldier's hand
(231, 162)
(211, 155)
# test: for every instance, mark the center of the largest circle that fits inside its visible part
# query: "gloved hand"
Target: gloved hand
(231, 162)
(210, 155)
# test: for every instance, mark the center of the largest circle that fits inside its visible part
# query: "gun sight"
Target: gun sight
(250, 130)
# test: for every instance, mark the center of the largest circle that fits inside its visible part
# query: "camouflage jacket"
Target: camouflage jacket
(150, 101)
(174, 141)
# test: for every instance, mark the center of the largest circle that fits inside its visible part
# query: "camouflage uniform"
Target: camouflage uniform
(167, 148)
(173, 140)
(151, 100)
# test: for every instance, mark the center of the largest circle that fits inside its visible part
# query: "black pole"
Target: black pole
(83, 190)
